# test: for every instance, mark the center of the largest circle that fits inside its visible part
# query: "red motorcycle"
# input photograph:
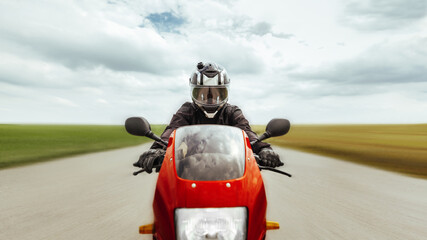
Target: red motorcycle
(209, 185)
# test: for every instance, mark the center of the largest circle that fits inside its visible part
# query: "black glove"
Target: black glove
(150, 158)
(268, 158)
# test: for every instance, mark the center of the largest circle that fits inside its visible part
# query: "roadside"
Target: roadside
(400, 148)
(26, 144)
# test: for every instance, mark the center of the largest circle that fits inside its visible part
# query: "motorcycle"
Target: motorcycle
(209, 184)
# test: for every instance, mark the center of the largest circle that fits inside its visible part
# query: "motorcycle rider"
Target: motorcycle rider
(209, 91)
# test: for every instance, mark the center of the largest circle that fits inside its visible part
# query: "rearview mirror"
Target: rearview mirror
(278, 127)
(138, 126)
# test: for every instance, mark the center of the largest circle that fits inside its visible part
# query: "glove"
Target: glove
(150, 158)
(268, 158)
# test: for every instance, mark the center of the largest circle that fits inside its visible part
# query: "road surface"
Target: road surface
(95, 196)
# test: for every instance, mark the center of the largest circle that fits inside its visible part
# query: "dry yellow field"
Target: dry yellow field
(401, 148)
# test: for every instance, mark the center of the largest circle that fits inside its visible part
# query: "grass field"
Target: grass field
(23, 144)
(401, 148)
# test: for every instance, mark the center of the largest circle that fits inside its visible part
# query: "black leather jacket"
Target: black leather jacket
(189, 114)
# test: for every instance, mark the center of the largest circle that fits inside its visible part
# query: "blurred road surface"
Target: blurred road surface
(95, 196)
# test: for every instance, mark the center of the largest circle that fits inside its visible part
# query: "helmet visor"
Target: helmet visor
(206, 95)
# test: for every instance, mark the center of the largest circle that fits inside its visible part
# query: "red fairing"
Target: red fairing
(173, 192)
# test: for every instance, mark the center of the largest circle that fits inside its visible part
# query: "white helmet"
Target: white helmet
(209, 88)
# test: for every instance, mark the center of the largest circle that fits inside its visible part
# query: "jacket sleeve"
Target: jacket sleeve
(241, 122)
(181, 118)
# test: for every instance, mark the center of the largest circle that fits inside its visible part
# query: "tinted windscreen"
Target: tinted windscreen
(209, 152)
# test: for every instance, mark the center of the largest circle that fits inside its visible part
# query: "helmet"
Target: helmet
(209, 88)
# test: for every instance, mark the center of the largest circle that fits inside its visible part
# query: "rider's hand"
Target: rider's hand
(269, 158)
(150, 158)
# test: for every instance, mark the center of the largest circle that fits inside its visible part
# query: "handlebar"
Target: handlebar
(274, 170)
(138, 172)
(260, 168)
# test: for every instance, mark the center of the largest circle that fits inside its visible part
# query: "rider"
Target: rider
(209, 91)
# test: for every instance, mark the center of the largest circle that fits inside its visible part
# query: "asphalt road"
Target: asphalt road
(95, 196)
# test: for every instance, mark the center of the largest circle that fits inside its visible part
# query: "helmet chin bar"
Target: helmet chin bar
(210, 112)
(210, 115)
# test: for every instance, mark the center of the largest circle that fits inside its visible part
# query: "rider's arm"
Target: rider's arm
(179, 119)
(239, 120)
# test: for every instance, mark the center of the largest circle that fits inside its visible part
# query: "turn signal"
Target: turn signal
(272, 225)
(146, 229)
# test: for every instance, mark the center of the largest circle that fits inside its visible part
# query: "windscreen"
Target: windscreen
(209, 152)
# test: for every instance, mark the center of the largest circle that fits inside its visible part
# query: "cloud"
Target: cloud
(283, 35)
(88, 41)
(236, 55)
(263, 28)
(118, 41)
(376, 15)
(385, 69)
(32, 72)
(383, 63)
(126, 57)
(63, 101)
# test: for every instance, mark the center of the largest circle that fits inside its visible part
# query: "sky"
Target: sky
(100, 62)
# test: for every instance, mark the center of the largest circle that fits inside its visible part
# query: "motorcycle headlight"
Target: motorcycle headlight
(211, 223)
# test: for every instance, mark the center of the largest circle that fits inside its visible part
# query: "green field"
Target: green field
(23, 144)
(401, 148)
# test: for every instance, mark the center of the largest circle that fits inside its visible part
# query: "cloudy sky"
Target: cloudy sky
(99, 62)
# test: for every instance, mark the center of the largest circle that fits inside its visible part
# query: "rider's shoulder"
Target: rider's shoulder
(231, 107)
(188, 105)
(187, 108)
